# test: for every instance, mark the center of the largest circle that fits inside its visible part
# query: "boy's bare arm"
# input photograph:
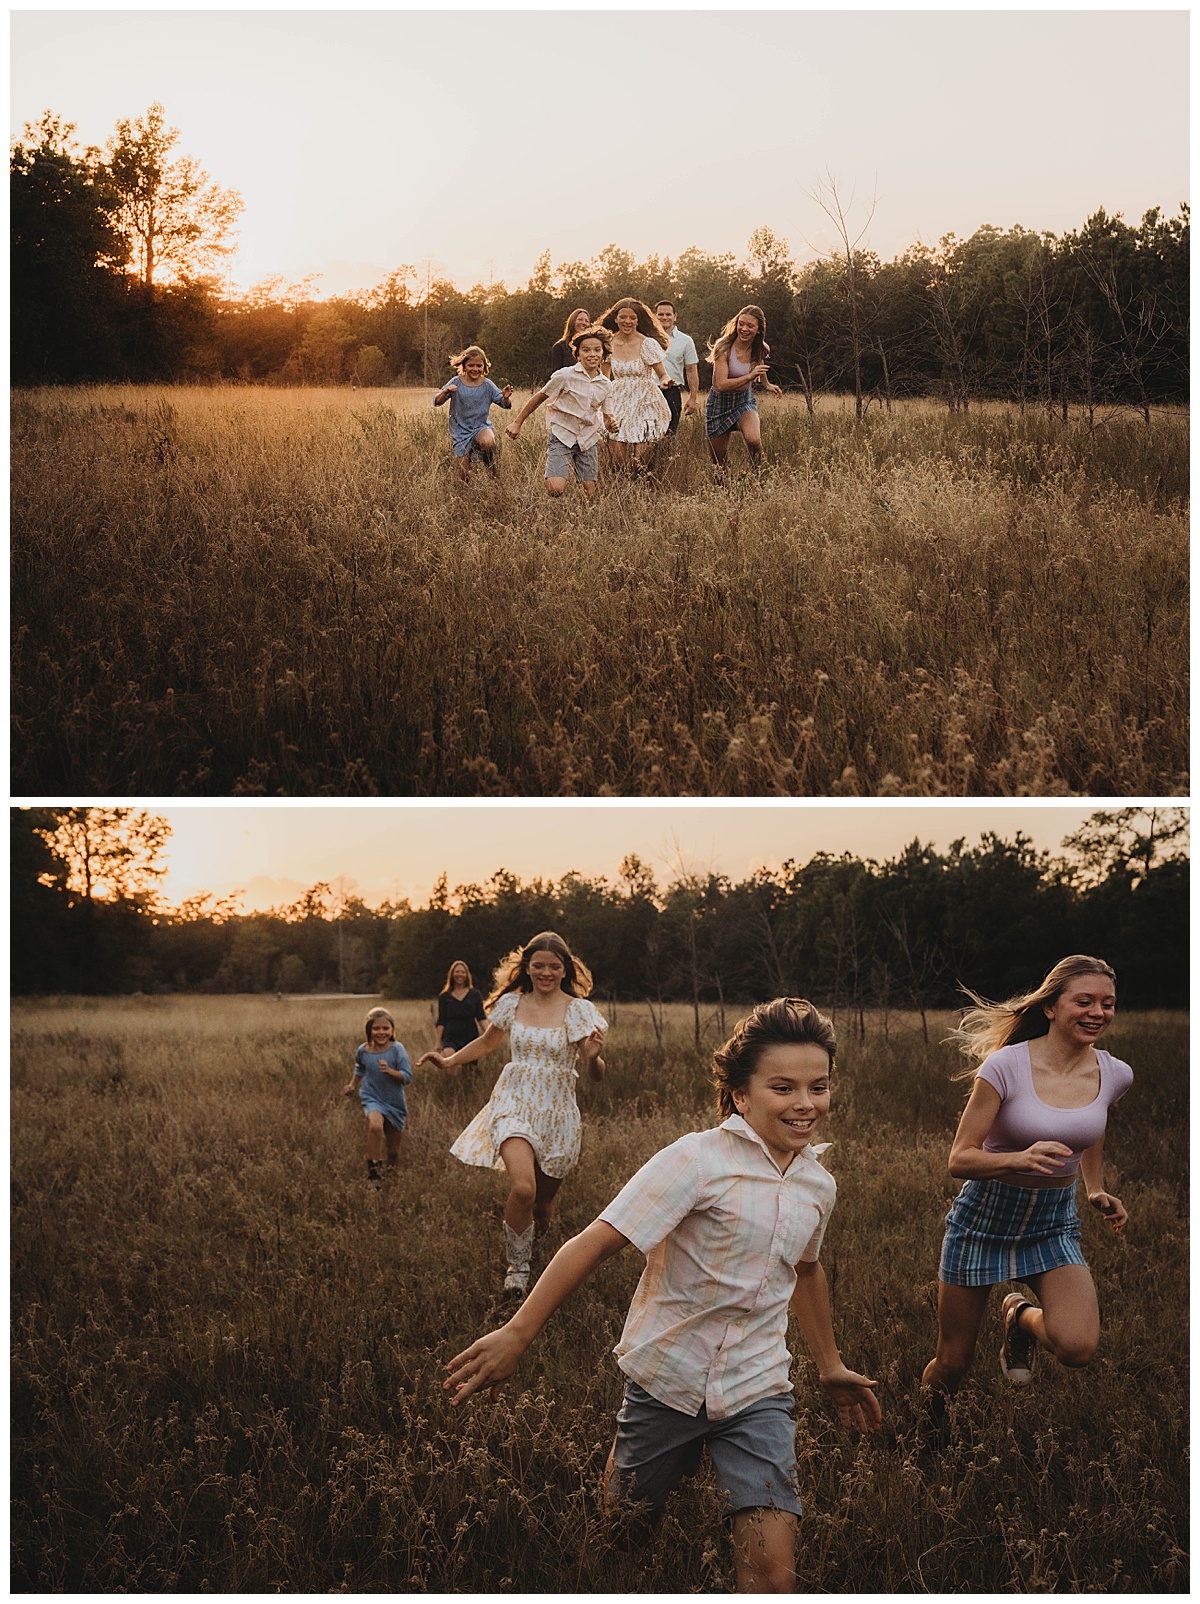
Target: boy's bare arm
(492, 1359)
(534, 402)
(853, 1394)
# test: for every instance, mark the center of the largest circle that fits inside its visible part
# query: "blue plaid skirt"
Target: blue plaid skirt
(724, 407)
(999, 1232)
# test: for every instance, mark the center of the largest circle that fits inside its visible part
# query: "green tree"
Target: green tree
(66, 252)
(176, 220)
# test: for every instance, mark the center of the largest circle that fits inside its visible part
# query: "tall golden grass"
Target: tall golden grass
(236, 591)
(228, 1348)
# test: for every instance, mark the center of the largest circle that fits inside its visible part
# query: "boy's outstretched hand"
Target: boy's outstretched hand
(856, 1402)
(486, 1363)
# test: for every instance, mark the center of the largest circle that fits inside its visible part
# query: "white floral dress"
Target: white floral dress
(535, 1094)
(637, 401)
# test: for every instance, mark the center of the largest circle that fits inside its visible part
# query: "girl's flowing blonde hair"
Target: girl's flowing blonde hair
(513, 972)
(464, 356)
(989, 1026)
(759, 349)
(377, 1013)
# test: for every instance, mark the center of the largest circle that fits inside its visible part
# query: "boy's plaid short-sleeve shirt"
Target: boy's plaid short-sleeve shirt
(722, 1230)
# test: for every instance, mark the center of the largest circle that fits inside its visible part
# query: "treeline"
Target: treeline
(854, 933)
(1094, 317)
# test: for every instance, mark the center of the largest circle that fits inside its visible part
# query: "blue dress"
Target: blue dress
(470, 411)
(381, 1094)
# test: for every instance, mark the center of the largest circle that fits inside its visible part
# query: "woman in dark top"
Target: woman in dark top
(562, 356)
(460, 1008)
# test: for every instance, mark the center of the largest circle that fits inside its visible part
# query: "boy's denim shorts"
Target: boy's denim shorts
(560, 456)
(753, 1452)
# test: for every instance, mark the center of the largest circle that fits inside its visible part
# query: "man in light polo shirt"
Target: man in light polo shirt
(682, 363)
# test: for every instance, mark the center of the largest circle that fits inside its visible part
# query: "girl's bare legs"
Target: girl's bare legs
(750, 430)
(486, 441)
(718, 447)
(375, 1138)
(517, 1158)
(1068, 1322)
(393, 1138)
(464, 465)
(960, 1314)
(547, 1187)
(764, 1550)
(619, 454)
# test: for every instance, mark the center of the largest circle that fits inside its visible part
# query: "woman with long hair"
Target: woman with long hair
(530, 1125)
(739, 362)
(638, 375)
(562, 354)
(1035, 1120)
(460, 1010)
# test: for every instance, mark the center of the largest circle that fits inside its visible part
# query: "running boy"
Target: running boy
(730, 1221)
(578, 415)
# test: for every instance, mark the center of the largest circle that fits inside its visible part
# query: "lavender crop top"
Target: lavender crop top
(1024, 1119)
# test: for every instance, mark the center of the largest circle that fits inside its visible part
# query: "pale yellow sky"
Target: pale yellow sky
(275, 851)
(361, 140)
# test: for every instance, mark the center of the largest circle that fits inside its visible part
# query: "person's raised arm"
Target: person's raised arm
(444, 394)
(492, 1359)
(530, 407)
(1090, 1167)
(853, 1394)
(970, 1161)
(479, 1048)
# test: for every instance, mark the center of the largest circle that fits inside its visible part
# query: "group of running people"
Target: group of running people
(731, 1219)
(628, 378)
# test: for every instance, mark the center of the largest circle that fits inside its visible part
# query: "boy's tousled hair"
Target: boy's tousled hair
(595, 332)
(989, 1026)
(785, 1022)
(377, 1013)
(465, 355)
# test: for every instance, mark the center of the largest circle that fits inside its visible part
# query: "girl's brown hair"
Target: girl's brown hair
(449, 986)
(648, 324)
(569, 326)
(513, 972)
(787, 1021)
(989, 1026)
(465, 355)
(759, 349)
(377, 1013)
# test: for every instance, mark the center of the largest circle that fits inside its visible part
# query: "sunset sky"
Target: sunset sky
(398, 850)
(363, 140)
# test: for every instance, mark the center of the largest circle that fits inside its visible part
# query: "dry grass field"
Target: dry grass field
(228, 1347)
(261, 592)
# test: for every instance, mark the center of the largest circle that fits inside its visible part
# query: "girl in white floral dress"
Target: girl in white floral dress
(530, 1126)
(638, 376)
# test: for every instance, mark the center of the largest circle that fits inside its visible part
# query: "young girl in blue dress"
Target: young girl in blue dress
(472, 395)
(381, 1072)
(1034, 1124)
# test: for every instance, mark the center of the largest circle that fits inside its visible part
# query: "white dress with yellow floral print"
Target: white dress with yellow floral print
(534, 1096)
